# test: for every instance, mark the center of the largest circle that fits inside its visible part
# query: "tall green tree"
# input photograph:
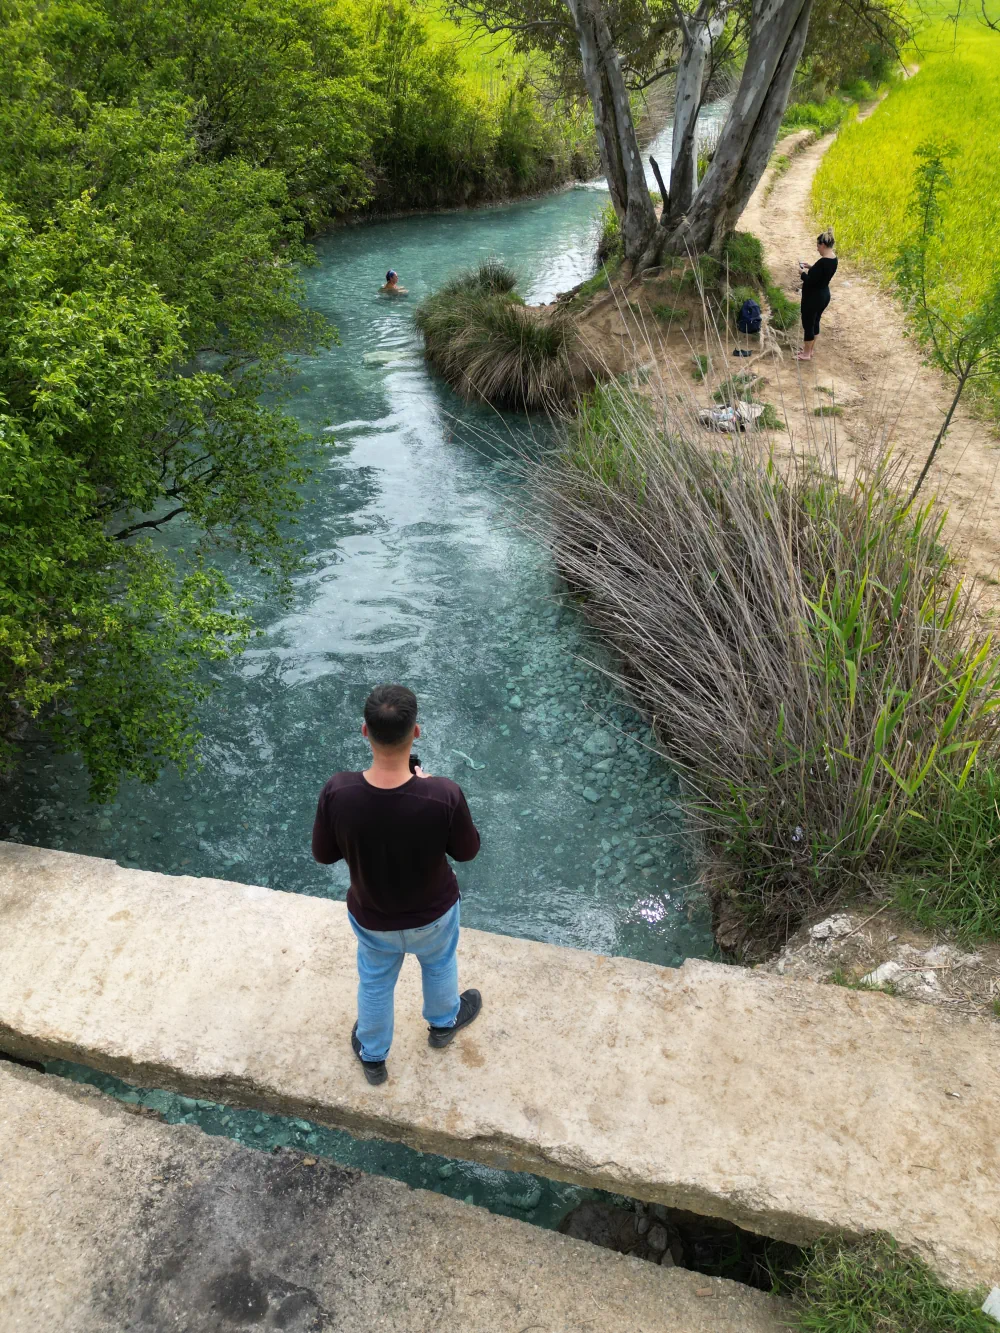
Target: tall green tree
(161, 164)
(622, 45)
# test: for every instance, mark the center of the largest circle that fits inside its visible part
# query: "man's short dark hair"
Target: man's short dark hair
(390, 714)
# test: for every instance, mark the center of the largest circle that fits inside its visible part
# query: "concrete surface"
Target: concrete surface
(112, 1221)
(787, 1107)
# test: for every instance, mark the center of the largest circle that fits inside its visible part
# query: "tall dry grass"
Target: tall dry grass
(800, 637)
(489, 346)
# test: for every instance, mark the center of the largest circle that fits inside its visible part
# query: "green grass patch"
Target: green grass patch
(823, 117)
(743, 260)
(864, 183)
(949, 862)
(841, 978)
(598, 283)
(828, 410)
(745, 386)
(784, 312)
(598, 448)
(669, 314)
(872, 1287)
(701, 367)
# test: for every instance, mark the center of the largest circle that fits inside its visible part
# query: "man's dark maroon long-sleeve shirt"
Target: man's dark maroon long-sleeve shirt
(396, 842)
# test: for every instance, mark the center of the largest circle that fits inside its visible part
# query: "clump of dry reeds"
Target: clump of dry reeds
(488, 345)
(800, 637)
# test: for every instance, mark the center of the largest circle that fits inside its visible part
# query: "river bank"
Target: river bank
(847, 441)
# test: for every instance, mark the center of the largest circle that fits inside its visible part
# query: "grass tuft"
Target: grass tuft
(784, 312)
(489, 345)
(841, 978)
(701, 367)
(949, 871)
(668, 313)
(828, 410)
(872, 1287)
(743, 257)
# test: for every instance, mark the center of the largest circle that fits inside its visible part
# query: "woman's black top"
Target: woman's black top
(816, 281)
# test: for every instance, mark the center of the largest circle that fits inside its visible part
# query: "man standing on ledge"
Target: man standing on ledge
(395, 825)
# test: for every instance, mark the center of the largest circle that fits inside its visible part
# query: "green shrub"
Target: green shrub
(609, 243)
(823, 117)
(784, 312)
(859, 90)
(813, 663)
(828, 410)
(743, 259)
(701, 368)
(669, 314)
(872, 1287)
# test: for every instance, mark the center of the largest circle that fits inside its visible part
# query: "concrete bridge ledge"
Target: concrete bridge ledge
(112, 1220)
(790, 1108)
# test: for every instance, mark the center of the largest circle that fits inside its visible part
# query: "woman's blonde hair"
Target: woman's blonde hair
(825, 238)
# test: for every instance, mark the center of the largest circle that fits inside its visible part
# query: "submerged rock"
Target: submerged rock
(600, 743)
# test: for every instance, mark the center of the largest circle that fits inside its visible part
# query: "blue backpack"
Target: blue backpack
(748, 320)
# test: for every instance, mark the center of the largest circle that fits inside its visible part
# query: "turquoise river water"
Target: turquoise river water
(417, 572)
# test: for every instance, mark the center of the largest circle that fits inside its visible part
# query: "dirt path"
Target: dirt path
(874, 373)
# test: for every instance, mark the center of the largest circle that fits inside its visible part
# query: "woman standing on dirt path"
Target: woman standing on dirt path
(816, 291)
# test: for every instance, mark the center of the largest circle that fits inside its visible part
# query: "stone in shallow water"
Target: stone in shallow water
(590, 795)
(600, 742)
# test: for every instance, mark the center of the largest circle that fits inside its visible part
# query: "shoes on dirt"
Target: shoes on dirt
(470, 1003)
(375, 1070)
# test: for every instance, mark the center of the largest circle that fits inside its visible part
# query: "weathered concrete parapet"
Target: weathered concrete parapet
(789, 1108)
(113, 1221)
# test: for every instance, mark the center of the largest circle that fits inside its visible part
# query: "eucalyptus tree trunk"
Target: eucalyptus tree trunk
(619, 148)
(700, 30)
(777, 36)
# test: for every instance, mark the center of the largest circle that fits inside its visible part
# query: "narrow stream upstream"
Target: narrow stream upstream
(417, 573)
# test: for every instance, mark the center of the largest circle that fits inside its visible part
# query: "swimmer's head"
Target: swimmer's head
(391, 276)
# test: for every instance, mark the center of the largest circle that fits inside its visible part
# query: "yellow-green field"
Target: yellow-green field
(485, 60)
(864, 183)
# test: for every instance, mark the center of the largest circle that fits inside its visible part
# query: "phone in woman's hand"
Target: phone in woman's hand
(414, 762)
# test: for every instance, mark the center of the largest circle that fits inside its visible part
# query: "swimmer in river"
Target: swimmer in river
(392, 287)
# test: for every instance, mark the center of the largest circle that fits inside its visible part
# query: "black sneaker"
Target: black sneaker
(375, 1070)
(470, 1003)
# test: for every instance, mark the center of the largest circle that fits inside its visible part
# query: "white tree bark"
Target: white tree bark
(616, 137)
(701, 29)
(777, 37)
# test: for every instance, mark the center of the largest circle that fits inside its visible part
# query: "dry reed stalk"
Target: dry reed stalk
(813, 663)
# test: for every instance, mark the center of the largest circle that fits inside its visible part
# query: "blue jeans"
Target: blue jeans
(380, 956)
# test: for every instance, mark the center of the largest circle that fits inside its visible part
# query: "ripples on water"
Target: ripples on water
(417, 573)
